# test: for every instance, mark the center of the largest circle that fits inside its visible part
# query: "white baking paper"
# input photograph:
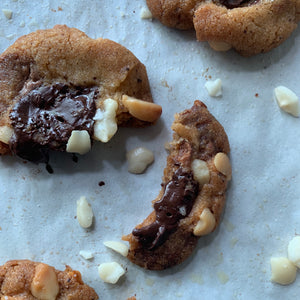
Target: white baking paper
(262, 214)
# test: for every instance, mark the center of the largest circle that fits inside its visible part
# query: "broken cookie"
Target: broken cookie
(248, 26)
(25, 279)
(60, 89)
(192, 197)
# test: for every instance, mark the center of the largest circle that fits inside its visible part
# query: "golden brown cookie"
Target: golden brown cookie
(192, 197)
(28, 280)
(248, 26)
(57, 81)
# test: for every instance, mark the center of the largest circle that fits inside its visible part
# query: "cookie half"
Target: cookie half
(59, 83)
(25, 279)
(248, 26)
(192, 197)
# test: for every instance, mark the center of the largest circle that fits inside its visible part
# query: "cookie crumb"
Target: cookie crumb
(7, 13)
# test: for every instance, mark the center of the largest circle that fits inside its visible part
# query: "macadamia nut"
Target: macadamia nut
(287, 100)
(222, 164)
(206, 223)
(139, 159)
(146, 13)
(106, 126)
(283, 271)
(84, 213)
(86, 254)
(110, 272)
(44, 284)
(200, 171)
(294, 251)
(118, 247)
(79, 142)
(219, 46)
(142, 110)
(214, 88)
(5, 134)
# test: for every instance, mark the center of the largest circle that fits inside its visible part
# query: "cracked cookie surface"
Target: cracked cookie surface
(192, 197)
(28, 280)
(58, 80)
(250, 27)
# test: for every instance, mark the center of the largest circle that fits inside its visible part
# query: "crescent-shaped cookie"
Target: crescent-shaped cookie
(57, 81)
(28, 280)
(248, 26)
(192, 197)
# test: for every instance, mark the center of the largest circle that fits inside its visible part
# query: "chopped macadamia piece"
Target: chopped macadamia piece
(86, 254)
(142, 110)
(110, 272)
(287, 100)
(206, 223)
(44, 284)
(84, 213)
(222, 164)
(214, 88)
(7, 13)
(5, 134)
(118, 247)
(200, 171)
(139, 159)
(283, 271)
(294, 251)
(79, 142)
(146, 13)
(219, 46)
(106, 124)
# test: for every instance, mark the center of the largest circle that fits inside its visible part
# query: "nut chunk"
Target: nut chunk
(192, 197)
(27, 280)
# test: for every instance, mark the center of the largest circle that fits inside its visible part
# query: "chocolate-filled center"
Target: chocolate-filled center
(46, 116)
(177, 202)
(237, 3)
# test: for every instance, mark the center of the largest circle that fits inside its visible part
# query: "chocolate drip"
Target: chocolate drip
(177, 202)
(46, 116)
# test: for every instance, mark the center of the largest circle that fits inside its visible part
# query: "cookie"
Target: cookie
(25, 279)
(57, 82)
(192, 197)
(249, 26)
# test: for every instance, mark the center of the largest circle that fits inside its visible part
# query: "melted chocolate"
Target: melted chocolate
(237, 3)
(176, 203)
(46, 116)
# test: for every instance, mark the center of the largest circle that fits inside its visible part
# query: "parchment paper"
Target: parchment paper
(262, 214)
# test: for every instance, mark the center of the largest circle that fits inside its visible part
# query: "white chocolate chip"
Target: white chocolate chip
(44, 285)
(200, 171)
(106, 124)
(222, 164)
(206, 223)
(146, 13)
(118, 247)
(84, 213)
(86, 254)
(287, 100)
(110, 272)
(219, 46)
(214, 88)
(142, 110)
(139, 159)
(79, 142)
(5, 134)
(7, 13)
(294, 251)
(283, 271)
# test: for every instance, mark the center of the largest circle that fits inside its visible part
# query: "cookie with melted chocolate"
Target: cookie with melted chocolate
(192, 197)
(25, 279)
(248, 26)
(54, 82)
